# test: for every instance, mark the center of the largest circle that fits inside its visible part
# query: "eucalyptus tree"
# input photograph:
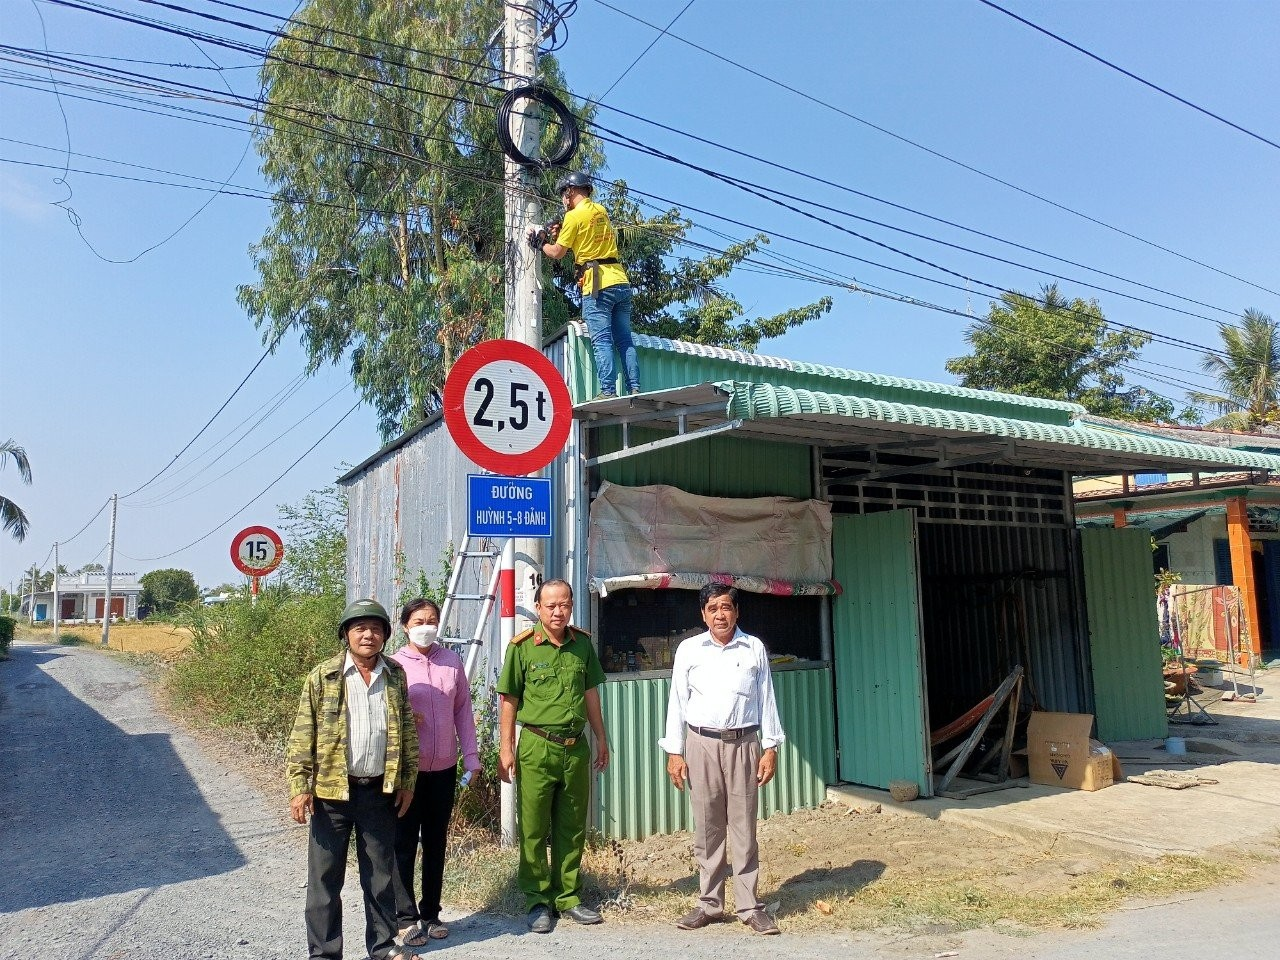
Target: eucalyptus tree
(386, 250)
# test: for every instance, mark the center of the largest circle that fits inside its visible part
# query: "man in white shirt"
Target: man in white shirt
(721, 738)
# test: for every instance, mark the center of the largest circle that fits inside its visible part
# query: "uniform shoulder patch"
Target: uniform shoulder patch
(522, 636)
(580, 632)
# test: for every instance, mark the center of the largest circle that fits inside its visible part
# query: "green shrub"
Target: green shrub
(7, 625)
(67, 639)
(247, 660)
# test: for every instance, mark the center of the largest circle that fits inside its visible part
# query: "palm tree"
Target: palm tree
(11, 516)
(1249, 375)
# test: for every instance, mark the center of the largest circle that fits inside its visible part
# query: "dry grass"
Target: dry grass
(969, 901)
(161, 639)
(1033, 893)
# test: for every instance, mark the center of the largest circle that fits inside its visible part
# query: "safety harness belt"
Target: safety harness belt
(594, 267)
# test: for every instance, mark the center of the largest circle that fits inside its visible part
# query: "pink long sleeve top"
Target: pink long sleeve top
(441, 701)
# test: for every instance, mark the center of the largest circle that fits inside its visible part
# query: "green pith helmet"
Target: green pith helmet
(359, 609)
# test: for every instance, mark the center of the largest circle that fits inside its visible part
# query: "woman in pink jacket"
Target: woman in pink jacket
(441, 700)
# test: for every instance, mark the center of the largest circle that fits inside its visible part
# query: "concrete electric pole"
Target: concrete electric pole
(523, 291)
(55, 593)
(111, 560)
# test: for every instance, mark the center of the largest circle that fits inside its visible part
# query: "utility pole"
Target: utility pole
(31, 604)
(55, 593)
(111, 559)
(523, 291)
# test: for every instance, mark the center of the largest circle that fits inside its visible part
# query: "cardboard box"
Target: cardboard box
(1061, 754)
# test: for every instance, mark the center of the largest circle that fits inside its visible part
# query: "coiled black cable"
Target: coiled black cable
(566, 146)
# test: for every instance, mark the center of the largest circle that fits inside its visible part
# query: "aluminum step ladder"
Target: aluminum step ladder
(471, 553)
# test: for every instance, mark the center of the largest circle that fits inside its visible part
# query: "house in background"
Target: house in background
(83, 598)
(1219, 529)
(935, 524)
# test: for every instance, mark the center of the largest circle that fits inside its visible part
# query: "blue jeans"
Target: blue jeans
(608, 317)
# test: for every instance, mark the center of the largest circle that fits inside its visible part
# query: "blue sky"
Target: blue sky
(110, 368)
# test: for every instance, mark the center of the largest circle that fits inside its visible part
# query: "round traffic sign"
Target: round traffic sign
(256, 551)
(507, 407)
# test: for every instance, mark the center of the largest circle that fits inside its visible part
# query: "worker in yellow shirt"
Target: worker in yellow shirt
(606, 291)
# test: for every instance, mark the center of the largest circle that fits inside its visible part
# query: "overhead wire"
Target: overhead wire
(256, 497)
(934, 152)
(169, 498)
(1201, 348)
(1132, 76)
(998, 287)
(72, 538)
(208, 423)
(195, 469)
(652, 43)
(767, 194)
(627, 141)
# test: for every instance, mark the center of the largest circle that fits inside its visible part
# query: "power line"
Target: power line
(273, 404)
(854, 233)
(162, 502)
(86, 526)
(266, 353)
(774, 195)
(258, 496)
(662, 33)
(741, 184)
(1131, 75)
(931, 151)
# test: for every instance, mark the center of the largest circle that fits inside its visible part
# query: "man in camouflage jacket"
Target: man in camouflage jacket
(352, 764)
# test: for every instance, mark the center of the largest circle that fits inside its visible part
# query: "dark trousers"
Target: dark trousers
(427, 822)
(371, 813)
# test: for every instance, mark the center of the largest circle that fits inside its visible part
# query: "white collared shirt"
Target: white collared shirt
(721, 688)
(366, 720)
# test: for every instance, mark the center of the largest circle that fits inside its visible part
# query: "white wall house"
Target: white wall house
(82, 598)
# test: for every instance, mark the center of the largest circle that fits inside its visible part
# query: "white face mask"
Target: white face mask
(423, 635)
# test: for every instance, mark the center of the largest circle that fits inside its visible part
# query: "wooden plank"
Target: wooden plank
(967, 748)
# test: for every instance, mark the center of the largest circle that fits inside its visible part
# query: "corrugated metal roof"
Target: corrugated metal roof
(790, 414)
(817, 370)
(759, 401)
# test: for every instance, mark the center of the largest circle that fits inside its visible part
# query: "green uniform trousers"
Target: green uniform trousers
(553, 790)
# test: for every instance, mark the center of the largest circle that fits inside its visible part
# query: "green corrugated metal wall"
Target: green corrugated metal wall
(879, 671)
(634, 799)
(713, 467)
(1124, 634)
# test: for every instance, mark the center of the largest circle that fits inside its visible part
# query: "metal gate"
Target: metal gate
(881, 708)
(1124, 633)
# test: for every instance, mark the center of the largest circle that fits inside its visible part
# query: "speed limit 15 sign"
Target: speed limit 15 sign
(507, 407)
(256, 551)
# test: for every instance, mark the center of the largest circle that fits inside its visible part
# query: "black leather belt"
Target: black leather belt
(365, 781)
(728, 736)
(553, 737)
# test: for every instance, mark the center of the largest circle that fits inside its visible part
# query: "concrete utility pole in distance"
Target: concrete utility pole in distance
(523, 291)
(31, 604)
(111, 560)
(55, 592)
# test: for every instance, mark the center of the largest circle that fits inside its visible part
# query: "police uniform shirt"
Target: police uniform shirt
(549, 681)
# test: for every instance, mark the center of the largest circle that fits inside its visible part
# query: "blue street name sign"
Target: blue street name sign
(508, 506)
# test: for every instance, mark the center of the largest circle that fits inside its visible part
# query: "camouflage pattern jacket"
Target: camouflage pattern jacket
(316, 761)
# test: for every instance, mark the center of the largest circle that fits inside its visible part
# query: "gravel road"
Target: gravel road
(120, 837)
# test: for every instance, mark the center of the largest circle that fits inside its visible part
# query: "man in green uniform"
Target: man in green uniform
(548, 685)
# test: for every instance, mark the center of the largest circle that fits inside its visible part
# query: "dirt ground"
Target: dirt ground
(140, 637)
(832, 868)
